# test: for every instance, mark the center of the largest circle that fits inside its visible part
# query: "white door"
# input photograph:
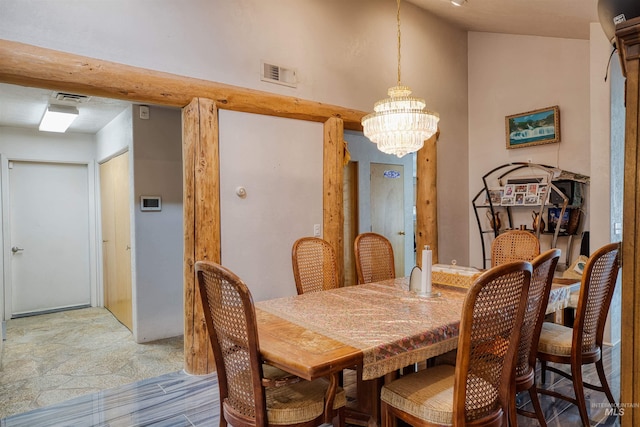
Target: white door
(387, 208)
(49, 236)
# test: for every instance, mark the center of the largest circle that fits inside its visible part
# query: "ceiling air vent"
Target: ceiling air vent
(279, 75)
(70, 97)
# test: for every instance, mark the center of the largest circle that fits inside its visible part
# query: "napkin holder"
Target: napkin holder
(414, 279)
(415, 284)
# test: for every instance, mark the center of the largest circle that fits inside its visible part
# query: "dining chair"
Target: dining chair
(314, 265)
(582, 344)
(477, 389)
(247, 397)
(544, 267)
(374, 258)
(514, 245)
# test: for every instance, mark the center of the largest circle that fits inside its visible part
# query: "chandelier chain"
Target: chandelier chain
(398, 19)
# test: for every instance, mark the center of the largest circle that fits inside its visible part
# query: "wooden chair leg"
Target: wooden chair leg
(386, 418)
(537, 407)
(603, 382)
(512, 411)
(578, 388)
(341, 418)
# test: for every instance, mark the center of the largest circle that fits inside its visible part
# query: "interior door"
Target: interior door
(49, 234)
(116, 238)
(387, 208)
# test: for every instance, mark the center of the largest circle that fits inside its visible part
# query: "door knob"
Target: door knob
(402, 233)
(16, 249)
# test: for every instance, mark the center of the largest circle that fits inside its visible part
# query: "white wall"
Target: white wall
(116, 137)
(344, 53)
(280, 169)
(511, 74)
(158, 241)
(29, 144)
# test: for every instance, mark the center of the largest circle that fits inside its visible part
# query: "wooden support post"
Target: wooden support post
(332, 199)
(628, 35)
(201, 165)
(427, 198)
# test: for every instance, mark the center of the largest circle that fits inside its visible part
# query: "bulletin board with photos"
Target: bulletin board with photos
(520, 194)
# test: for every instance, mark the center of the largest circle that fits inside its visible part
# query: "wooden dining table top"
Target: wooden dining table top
(380, 326)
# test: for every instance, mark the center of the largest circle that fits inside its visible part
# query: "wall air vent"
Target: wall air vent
(279, 75)
(70, 97)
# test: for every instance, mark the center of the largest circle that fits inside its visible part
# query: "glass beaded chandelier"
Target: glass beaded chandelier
(400, 124)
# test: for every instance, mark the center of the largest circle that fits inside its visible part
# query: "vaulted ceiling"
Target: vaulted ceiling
(548, 18)
(23, 107)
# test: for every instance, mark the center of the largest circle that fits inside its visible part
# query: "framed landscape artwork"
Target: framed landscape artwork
(533, 127)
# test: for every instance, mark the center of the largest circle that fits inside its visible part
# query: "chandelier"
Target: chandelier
(400, 124)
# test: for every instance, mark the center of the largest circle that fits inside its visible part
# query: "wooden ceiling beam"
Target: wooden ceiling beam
(34, 66)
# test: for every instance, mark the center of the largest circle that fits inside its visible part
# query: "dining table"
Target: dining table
(376, 328)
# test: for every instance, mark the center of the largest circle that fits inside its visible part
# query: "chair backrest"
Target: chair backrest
(491, 322)
(596, 290)
(231, 322)
(514, 245)
(314, 265)
(374, 258)
(544, 266)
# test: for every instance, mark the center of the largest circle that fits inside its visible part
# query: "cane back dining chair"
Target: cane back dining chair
(314, 265)
(374, 258)
(477, 390)
(245, 395)
(544, 267)
(582, 344)
(514, 245)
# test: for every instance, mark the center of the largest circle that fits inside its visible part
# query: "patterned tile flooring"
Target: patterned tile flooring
(175, 398)
(54, 357)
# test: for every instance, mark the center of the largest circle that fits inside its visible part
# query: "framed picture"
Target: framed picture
(508, 190)
(507, 201)
(542, 192)
(520, 188)
(533, 127)
(530, 199)
(554, 218)
(495, 195)
(519, 199)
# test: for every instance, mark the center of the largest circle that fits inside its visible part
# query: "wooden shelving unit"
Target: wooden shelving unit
(494, 182)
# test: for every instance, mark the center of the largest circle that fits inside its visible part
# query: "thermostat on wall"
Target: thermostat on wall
(150, 203)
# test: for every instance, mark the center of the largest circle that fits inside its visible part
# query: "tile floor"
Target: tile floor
(54, 357)
(63, 386)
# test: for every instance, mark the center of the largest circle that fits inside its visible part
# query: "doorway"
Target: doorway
(49, 237)
(116, 238)
(387, 208)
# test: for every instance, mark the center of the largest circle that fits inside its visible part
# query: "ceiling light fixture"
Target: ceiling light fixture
(399, 124)
(58, 118)
(458, 2)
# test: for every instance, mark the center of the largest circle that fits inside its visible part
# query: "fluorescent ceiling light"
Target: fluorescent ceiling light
(457, 2)
(57, 118)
